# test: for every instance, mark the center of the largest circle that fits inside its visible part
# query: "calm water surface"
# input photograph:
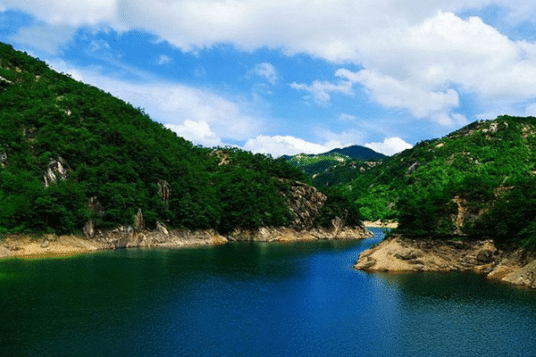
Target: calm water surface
(254, 299)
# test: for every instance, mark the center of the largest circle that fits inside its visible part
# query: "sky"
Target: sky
(293, 76)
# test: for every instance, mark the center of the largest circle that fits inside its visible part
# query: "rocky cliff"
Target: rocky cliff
(403, 255)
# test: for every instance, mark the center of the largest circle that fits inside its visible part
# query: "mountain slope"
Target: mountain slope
(336, 167)
(358, 152)
(71, 154)
(476, 182)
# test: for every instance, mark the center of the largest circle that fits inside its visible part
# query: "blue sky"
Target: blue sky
(292, 76)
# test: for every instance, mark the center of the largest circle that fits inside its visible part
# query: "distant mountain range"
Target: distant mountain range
(356, 152)
(337, 166)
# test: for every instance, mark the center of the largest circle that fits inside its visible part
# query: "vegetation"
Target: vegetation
(478, 182)
(337, 167)
(70, 153)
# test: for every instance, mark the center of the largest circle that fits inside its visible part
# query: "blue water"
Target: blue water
(254, 299)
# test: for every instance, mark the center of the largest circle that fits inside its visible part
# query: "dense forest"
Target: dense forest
(71, 153)
(478, 182)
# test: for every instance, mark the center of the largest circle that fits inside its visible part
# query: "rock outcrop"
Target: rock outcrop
(305, 203)
(126, 237)
(403, 255)
(285, 234)
(54, 171)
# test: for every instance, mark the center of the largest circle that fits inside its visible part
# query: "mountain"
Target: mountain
(336, 167)
(477, 182)
(358, 153)
(73, 156)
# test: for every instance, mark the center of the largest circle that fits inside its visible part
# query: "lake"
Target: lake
(254, 299)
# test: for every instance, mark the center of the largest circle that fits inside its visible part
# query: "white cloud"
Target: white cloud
(320, 90)
(163, 59)
(199, 133)
(347, 117)
(73, 13)
(422, 68)
(393, 93)
(266, 71)
(389, 146)
(420, 57)
(48, 38)
(287, 145)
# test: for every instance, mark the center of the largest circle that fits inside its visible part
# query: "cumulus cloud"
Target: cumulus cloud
(389, 146)
(266, 71)
(197, 132)
(416, 57)
(287, 145)
(422, 68)
(67, 12)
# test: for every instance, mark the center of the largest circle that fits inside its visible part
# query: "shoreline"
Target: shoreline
(380, 224)
(399, 255)
(52, 246)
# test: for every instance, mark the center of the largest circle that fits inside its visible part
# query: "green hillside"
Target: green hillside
(358, 152)
(70, 153)
(478, 182)
(336, 167)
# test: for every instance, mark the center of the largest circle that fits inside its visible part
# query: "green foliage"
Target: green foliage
(486, 167)
(338, 205)
(512, 216)
(116, 160)
(477, 182)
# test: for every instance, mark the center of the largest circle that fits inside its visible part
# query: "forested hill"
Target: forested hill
(335, 167)
(357, 152)
(478, 182)
(71, 153)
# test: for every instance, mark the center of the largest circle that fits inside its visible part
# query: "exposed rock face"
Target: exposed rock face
(284, 234)
(164, 191)
(127, 238)
(138, 219)
(54, 171)
(401, 255)
(305, 202)
(3, 159)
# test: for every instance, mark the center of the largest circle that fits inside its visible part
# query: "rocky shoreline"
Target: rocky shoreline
(57, 246)
(396, 254)
(381, 224)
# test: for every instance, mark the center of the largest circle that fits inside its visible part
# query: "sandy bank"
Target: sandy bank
(58, 246)
(403, 255)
